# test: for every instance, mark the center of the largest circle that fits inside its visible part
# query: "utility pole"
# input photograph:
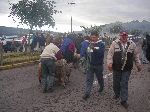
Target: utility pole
(71, 3)
(71, 24)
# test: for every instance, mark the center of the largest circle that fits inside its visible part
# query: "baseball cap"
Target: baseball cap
(123, 34)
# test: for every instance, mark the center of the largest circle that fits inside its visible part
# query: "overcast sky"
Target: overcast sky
(89, 12)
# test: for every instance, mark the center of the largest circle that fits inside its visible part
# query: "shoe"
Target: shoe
(116, 97)
(45, 90)
(40, 81)
(85, 97)
(50, 90)
(124, 104)
(100, 90)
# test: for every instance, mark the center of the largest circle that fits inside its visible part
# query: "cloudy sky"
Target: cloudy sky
(88, 12)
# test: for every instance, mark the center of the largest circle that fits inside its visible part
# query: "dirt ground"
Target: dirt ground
(20, 91)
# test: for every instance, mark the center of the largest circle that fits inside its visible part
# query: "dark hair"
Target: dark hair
(95, 33)
(49, 40)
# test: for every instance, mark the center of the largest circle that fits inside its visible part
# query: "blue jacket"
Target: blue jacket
(95, 54)
(65, 44)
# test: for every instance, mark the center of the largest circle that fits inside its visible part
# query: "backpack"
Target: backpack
(69, 52)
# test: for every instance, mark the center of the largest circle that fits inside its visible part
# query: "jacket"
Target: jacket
(93, 52)
(123, 60)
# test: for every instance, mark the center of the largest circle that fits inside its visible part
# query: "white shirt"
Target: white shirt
(124, 46)
(50, 51)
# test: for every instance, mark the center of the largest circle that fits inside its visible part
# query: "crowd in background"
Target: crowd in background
(37, 41)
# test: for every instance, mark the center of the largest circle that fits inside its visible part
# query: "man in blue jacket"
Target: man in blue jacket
(68, 48)
(93, 50)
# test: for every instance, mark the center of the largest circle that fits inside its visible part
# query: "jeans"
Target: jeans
(144, 59)
(98, 70)
(48, 73)
(120, 84)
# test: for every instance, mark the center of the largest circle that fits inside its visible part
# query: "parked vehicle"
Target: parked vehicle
(9, 47)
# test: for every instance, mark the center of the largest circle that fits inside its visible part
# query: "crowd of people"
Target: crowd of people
(36, 42)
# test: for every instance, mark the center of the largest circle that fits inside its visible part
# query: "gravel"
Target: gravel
(20, 91)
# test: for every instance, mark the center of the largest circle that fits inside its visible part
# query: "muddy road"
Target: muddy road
(20, 91)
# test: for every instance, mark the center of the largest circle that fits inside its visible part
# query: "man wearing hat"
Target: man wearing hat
(121, 55)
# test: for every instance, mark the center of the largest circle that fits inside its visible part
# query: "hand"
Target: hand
(110, 67)
(77, 56)
(139, 67)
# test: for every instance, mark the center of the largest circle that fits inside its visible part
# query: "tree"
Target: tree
(95, 28)
(85, 29)
(34, 13)
(116, 28)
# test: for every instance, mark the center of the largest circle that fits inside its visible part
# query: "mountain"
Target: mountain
(9, 31)
(143, 26)
(12, 31)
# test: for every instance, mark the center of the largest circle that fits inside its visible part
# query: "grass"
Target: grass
(14, 58)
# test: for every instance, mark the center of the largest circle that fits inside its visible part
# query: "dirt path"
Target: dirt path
(20, 92)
